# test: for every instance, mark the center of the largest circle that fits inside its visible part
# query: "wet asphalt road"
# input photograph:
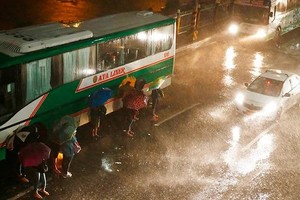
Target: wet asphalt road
(201, 148)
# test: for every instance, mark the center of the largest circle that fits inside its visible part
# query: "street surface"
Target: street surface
(201, 148)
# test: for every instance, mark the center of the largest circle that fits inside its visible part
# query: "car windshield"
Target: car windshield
(266, 86)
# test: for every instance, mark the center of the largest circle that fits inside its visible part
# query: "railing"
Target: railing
(194, 20)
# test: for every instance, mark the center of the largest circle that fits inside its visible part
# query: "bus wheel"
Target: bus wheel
(277, 36)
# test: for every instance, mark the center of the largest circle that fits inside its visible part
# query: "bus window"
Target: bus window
(79, 64)
(108, 54)
(38, 75)
(136, 46)
(8, 103)
(161, 38)
(125, 50)
(56, 71)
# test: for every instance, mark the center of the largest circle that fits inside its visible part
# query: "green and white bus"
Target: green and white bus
(265, 19)
(48, 71)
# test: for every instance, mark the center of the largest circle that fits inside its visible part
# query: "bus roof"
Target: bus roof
(30, 43)
(120, 22)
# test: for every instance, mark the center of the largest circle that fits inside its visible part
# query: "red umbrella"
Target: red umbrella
(136, 100)
(34, 154)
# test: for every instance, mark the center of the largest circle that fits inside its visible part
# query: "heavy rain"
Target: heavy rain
(201, 148)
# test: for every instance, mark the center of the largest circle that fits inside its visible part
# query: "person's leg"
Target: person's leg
(95, 121)
(20, 169)
(131, 120)
(21, 173)
(154, 106)
(135, 115)
(53, 158)
(127, 119)
(36, 181)
(44, 184)
(43, 181)
(97, 127)
(66, 166)
(36, 185)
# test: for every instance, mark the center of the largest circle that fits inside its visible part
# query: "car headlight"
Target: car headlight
(270, 107)
(233, 29)
(261, 33)
(239, 99)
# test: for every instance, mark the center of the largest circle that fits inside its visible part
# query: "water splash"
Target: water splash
(106, 164)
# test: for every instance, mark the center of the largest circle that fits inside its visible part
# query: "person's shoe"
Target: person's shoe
(44, 192)
(130, 133)
(36, 195)
(56, 171)
(155, 118)
(23, 179)
(68, 175)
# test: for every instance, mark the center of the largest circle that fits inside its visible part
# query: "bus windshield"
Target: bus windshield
(266, 86)
(251, 14)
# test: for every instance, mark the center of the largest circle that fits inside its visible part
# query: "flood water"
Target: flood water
(19, 13)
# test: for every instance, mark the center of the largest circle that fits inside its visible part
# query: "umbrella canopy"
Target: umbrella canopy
(22, 136)
(125, 90)
(99, 97)
(156, 84)
(33, 154)
(130, 79)
(136, 100)
(63, 130)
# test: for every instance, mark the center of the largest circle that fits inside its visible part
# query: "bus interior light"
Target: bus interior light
(142, 36)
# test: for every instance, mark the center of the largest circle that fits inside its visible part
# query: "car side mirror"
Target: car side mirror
(287, 95)
(271, 14)
(246, 84)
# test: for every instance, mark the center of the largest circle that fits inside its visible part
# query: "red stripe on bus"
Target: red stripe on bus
(93, 85)
(37, 108)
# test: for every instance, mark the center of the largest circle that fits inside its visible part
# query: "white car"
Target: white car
(269, 95)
